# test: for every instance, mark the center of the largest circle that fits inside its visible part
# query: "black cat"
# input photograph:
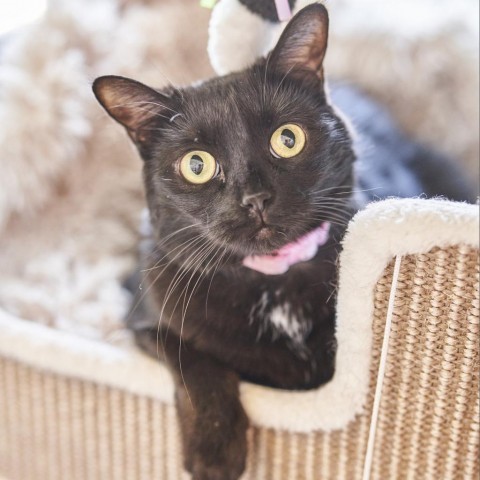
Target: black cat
(250, 183)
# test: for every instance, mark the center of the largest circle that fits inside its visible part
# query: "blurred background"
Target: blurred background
(70, 182)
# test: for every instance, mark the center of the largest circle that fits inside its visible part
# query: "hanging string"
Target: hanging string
(367, 467)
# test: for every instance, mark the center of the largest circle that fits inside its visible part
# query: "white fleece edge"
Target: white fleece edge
(229, 47)
(64, 353)
(375, 235)
(236, 36)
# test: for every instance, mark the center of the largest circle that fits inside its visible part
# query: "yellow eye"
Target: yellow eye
(287, 141)
(198, 167)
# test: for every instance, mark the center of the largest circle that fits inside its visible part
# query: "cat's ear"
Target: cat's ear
(131, 103)
(302, 45)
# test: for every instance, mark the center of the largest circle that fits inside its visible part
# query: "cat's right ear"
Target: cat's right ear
(300, 51)
(131, 103)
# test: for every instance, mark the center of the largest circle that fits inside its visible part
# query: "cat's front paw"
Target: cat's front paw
(220, 454)
(201, 471)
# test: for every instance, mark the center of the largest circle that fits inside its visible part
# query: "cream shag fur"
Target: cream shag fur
(377, 234)
(47, 110)
(70, 189)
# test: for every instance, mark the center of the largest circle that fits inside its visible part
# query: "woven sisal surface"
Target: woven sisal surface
(53, 427)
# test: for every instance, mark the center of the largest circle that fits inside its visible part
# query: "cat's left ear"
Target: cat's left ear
(131, 103)
(302, 45)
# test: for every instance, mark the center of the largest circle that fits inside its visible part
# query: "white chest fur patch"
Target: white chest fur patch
(288, 323)
(281, 320)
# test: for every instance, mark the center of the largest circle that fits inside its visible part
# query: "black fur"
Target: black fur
(209, 317)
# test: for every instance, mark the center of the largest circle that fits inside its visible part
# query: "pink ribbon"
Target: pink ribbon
(283, 10)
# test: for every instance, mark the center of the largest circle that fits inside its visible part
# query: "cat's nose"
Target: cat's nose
(256, 201)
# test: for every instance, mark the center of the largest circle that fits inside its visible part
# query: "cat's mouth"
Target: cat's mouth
(267, 239)
(263, 239)
(265, 232)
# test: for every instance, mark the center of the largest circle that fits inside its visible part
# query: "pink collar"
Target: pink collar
(301, 250)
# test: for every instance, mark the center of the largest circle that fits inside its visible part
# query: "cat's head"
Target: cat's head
(255, 158)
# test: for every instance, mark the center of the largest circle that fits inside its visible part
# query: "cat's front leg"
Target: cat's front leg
(213, 425)
(212, 420)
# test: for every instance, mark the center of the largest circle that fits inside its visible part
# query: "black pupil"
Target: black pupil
(288, 138)
(196, 164)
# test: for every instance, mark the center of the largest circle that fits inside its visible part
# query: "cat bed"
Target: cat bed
(76, 401)
(408, 317)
